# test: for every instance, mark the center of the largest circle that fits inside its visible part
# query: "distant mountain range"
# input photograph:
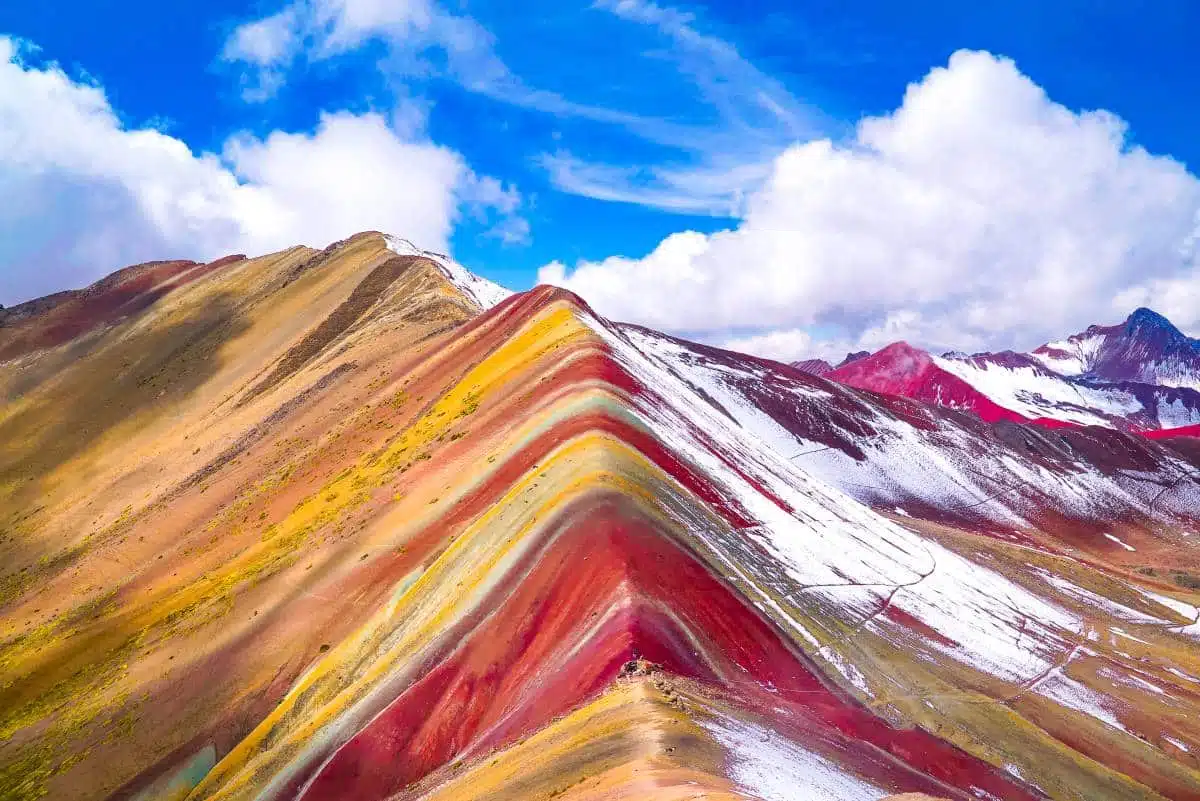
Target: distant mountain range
(1142, 375)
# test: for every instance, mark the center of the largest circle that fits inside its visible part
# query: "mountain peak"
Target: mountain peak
(854, 356)
(898, 361)
(483, 293)
(901, 348)
(1144, 319)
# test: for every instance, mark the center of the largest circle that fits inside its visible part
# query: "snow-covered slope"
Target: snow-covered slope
(484, 293)
(888, 451)
(1142, 375)
(1021, 384)
(1146, 348)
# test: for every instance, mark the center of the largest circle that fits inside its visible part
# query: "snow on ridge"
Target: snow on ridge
(1033, 394)
(1081, 351)
(484, 293)
(830, 543)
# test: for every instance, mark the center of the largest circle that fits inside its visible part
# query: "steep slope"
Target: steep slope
(386, 546)
(1145, 349)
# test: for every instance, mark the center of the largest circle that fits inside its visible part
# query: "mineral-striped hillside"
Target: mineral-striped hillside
(353, 524)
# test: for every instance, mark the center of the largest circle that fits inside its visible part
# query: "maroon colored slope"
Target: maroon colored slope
(901, 369)
(814, 366)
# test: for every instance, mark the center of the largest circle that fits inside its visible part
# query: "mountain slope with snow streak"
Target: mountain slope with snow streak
(391, 546)
(1104, 382)
(483, 293)
(1147, 348)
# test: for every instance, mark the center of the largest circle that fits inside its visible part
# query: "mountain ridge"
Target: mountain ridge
(525, 551)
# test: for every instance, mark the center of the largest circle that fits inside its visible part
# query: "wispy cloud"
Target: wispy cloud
(753, 117)
(713, 147)
(718, 190)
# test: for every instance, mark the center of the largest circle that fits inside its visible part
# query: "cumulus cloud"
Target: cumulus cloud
(978, 214)
(82, 194)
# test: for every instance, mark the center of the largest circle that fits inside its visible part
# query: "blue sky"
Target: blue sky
(607, 128)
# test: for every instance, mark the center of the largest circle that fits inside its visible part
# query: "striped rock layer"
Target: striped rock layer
(326, 525)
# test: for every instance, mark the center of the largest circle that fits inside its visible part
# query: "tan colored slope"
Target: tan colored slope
(127, 553)
(95, 430)
(634, 741)
(640, 739)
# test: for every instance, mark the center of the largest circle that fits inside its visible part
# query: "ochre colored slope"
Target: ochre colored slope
(371, 544)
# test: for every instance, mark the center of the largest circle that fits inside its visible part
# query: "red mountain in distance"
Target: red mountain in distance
(822, 367)
(901, 369)
(814, 366)
(1139, 376)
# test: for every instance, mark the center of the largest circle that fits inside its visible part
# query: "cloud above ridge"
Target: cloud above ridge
(978, 214)
(82, 194)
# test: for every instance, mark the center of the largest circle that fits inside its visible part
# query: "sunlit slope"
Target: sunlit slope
(132, 455)
(529, 554)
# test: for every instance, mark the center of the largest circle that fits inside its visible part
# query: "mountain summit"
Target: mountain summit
(1146, 348)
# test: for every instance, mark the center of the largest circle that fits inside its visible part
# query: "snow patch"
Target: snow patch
(1182, 746)
(1073, 695)
(1119, 541)
(1094, 599)
(822, 540)
(770, 767)
(1034, 393)
(483, 293)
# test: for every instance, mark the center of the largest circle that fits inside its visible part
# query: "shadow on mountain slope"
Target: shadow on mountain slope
(139, 374)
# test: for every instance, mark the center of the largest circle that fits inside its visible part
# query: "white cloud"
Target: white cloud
(979, 213)
(752, 118)
(1177, 297)
(269, 44)
(81, 194)
(787, 345)
(693, 190)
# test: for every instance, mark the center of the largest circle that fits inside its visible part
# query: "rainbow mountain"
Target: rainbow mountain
(357, 524)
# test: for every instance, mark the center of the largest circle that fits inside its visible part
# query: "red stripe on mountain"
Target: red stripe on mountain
(551, 639)
(901, 369)
(1168, 433)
